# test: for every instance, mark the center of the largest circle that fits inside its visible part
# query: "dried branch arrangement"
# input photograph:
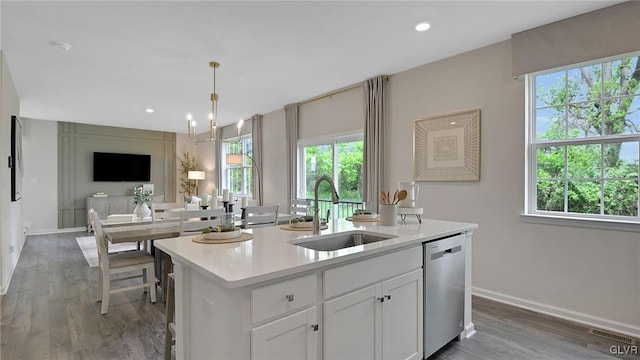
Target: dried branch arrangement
(187, 162)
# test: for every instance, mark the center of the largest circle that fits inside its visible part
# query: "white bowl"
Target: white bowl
(223, 235)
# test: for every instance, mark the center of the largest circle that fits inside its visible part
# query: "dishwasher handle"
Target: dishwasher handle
(442, 253)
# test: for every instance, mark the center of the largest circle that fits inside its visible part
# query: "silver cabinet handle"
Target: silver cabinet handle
(289, 297)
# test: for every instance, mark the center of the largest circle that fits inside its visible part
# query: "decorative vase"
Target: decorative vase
(142, 211)
(388, 214)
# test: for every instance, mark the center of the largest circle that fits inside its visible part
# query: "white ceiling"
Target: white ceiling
(130, 55)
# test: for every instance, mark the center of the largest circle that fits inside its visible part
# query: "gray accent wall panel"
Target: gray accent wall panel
(78, 142)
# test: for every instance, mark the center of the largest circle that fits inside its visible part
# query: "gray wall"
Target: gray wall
(76, 144)
(40, 183)
(583, 274)
(587, 275)
(11, 235)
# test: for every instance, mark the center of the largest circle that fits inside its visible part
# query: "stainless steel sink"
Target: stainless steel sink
(339, 241)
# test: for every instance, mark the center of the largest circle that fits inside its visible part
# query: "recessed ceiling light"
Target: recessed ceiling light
(149, 110)
(423, 26)
(452, 123)
(62, 45)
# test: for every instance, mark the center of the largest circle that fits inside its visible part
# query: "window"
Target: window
(238, 178)
(341, 159)
(583, 142)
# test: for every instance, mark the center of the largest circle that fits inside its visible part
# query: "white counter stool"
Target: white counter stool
(404, 211)
(170, 326)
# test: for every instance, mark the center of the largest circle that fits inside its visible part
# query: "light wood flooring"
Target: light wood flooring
(50, 312)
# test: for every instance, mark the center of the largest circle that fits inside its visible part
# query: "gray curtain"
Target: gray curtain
(218, 172)
(256, 135)
(291, 116)
(373, 141)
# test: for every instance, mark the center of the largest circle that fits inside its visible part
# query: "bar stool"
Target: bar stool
(170, 326)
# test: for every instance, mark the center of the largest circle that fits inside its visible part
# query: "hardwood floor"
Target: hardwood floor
(50, 312)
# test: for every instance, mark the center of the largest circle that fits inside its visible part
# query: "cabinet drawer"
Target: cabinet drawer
(342, 279)
(283, 297)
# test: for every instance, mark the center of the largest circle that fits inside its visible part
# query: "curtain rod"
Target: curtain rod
(336, 92)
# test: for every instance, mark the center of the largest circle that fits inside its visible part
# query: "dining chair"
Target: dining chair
(194, 221)
(117, 263)
(170, 325)
(166, 211)
(300, 207)
(259, 216)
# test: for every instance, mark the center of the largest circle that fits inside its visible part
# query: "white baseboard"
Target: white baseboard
(56, 231)
(578, 317)
(5, 287)
(469, 331)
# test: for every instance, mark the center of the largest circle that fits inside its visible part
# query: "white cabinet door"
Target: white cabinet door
(292, 337)
(350, 330)
(402, 317)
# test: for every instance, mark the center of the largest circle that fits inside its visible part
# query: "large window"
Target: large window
(584, 136)
(338, 157)
(239, 178)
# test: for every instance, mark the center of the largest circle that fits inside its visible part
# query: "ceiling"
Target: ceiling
(127, 56)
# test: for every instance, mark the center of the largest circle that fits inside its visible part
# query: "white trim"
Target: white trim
(582, 222)
(56, 231)
(566, 314)
(469, 331)
(5, 287)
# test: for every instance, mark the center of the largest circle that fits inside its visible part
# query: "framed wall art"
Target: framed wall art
(447, 147)
(16, 164)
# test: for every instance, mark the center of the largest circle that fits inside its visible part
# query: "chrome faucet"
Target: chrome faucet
(334, 198)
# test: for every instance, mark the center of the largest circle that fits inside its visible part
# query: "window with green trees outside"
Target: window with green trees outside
(341, 159)
(584, 136)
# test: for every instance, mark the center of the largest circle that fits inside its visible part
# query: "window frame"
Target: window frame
(332, 140)
(226, 178)
(531, 213)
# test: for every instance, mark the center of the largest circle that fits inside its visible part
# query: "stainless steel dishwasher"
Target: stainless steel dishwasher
(443, 292)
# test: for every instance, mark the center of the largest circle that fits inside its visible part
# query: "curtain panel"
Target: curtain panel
(291, 117)
(256, 134)
(373, 161)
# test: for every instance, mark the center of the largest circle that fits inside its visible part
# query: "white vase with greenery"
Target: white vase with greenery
(141, 198)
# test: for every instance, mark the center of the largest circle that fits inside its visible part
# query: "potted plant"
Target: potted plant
(141, 198)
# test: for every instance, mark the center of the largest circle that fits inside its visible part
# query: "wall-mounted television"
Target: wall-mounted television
(121, 167)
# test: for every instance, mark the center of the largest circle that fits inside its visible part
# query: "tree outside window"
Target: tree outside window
(584, 142)
(339, 158)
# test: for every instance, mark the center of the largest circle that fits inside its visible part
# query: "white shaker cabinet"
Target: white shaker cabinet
(293, 337)
(402, 330)
(382, 321)
(350, 330)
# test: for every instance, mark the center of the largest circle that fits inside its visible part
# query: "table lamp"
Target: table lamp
(196, 175)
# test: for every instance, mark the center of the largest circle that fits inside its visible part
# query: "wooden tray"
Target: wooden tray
(363, 220)
(290, 228)
(243, 237)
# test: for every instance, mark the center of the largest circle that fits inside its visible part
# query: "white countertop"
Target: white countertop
(269, 255)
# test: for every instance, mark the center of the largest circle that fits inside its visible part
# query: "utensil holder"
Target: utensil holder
(388, 214)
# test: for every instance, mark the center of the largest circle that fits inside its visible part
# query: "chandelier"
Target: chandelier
(213, 115)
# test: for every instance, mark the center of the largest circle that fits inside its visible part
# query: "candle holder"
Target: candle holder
(225, 205)
(244, 213)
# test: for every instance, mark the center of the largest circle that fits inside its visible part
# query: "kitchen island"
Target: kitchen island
(270, 298)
